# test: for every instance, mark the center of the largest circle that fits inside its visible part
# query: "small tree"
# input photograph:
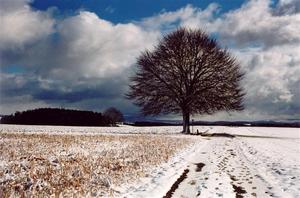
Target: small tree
(114, 115)
(187, 73)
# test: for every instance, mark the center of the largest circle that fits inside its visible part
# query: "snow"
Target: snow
(261, 162)
(258, 162)
(123, 129)
(160, 177)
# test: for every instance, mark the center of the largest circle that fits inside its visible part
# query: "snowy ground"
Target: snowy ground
(123, 129)
(259, 162)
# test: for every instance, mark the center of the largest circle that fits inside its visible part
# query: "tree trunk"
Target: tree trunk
(186, 122)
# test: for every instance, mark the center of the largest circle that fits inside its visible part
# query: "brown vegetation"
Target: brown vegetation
(78, 165)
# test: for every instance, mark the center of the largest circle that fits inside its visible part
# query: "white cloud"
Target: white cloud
(272, 75)
(187, 16)
(97, 48)
(21, 25)
(255, 23)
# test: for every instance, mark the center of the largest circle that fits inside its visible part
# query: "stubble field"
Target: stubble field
(78, 165)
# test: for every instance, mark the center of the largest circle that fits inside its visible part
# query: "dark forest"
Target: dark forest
(57, 116)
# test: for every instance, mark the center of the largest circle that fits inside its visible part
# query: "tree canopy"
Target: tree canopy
(189, 73)
(113, 115)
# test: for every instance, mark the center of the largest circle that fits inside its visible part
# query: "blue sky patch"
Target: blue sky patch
(119, 11)
(13, 69)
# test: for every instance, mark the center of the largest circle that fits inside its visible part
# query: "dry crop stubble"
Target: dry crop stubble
(72, 165)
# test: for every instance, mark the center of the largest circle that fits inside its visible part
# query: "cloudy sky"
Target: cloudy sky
(80, 53)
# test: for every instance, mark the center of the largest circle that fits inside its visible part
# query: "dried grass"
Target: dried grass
(44, 165)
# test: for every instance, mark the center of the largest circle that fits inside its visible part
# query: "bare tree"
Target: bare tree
(114, 115)
(188, 73)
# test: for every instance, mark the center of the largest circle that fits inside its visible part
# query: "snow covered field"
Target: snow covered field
(261, 162)
(153, 162)
(124, 129)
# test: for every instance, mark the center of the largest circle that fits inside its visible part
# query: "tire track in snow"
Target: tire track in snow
(176, 184)
(228, 173)
(277, 162)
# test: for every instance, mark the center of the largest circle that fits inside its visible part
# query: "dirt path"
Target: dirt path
(222, 169)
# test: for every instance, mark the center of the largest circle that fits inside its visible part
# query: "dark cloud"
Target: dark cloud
(106, 91)
(287, 7)
(59, 92)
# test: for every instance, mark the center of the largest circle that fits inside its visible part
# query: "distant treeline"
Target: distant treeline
(223, 123)
(251, 123)
(57, 116)
(147, 123)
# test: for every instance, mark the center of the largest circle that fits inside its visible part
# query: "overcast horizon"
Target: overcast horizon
(80, 54)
